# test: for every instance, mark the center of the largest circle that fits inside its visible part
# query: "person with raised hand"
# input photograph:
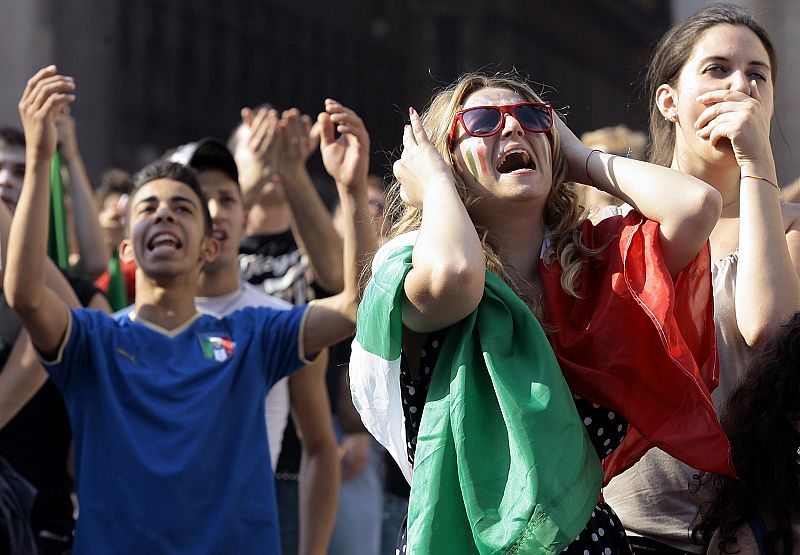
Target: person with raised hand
(256, 147)
(221, 291)
(35, 435)
(167, 405)
(710, 84)
(290, 250)
(271, 151)
(359, 514)
(505, 345)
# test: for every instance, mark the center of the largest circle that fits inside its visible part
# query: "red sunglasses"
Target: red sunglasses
(485, 121)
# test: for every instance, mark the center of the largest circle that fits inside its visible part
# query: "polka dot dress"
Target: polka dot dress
(605, 427)
(604, 534)
(414, 391)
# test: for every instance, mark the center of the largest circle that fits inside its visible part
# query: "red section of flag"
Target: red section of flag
(641, 346)
(227, 344)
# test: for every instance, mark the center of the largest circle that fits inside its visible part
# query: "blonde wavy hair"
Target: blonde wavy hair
(563, 215)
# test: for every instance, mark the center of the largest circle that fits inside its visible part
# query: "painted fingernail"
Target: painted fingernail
(411, 111)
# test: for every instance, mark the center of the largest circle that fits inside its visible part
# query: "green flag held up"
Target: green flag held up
(57, 244)
(503, 464)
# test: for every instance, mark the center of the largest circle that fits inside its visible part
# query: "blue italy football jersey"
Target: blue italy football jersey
(169, 436)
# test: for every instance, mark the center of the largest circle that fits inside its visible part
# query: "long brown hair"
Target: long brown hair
(562, 214)
(671, 54)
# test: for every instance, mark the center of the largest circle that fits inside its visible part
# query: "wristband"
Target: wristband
(758, 177)
(586, 166)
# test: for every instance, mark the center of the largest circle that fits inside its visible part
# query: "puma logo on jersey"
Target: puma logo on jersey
(126, 355)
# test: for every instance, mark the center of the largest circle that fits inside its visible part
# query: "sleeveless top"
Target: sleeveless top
(656, 497)
(759, 533)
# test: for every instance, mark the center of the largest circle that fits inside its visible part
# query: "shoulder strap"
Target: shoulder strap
(759, 532)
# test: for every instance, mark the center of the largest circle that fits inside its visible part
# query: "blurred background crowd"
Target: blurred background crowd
(153, 74)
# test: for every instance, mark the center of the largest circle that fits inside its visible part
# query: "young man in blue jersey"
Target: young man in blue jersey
(170, 447)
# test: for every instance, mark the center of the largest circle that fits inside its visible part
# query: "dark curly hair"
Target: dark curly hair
(765, 450)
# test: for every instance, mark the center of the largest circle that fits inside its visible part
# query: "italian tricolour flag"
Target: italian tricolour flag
(503, 463)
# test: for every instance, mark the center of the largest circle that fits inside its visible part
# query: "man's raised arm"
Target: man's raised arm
(346, 159)
(43, 313)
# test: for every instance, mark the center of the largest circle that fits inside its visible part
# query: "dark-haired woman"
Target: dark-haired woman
(760, 512)
(711, 84)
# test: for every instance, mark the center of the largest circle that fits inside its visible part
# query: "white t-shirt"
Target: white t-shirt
(276, 409)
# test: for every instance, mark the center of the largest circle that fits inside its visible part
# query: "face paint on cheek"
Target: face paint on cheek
(473, 169)
(482, 158)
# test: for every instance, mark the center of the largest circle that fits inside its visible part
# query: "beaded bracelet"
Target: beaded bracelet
(586, 166)
(762, 179)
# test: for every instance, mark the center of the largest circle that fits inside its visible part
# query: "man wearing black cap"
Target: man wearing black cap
(222, 291)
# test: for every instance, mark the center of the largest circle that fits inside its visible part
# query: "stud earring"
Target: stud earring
(672, 115)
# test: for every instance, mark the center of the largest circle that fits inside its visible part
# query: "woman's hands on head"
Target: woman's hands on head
(575, 152)
(445, 282)
(421, 167)
(739, 117)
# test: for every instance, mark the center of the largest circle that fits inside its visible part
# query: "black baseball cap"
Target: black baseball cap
(207, 153)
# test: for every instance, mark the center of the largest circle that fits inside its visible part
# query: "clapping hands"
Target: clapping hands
(273, 146)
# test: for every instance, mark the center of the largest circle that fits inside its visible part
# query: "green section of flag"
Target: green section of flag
(503, 463)
(117, 294)
(208, 348)
(58, 244)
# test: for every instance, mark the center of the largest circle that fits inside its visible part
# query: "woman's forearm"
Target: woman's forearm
(686, 208)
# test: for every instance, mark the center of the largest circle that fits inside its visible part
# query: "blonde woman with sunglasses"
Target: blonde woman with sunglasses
(537, 343)
(711, 85)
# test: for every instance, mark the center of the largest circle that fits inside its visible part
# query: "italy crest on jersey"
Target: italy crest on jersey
(216, 346)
